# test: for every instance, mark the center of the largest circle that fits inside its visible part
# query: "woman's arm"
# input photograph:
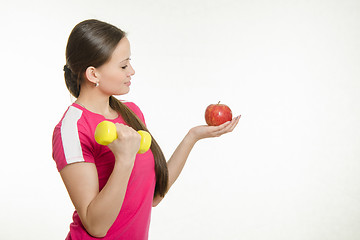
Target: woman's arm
(97, 210)
(178, 159)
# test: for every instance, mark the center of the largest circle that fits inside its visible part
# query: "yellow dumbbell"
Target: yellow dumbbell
(105, 133)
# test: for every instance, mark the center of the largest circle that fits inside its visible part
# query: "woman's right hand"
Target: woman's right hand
(127, 144)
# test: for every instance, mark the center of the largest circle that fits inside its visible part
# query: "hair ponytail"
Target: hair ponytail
(91, 43)
(72, 82)
(133, 120)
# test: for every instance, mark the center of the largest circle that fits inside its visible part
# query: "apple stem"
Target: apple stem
(219, 102)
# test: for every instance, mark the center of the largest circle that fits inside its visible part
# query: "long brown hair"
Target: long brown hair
(91, 43)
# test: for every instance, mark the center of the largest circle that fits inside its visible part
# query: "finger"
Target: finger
(230, 127)
(214, 130)
(119, 126)
(231, 124)
(221, 132)
(124, 130)
(222, 126)
(236, 121)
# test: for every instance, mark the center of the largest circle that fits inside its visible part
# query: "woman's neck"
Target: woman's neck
(94, 101)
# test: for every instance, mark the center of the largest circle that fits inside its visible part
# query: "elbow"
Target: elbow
(96, 229)
(157, 200)
(98, 235)
(96, 232)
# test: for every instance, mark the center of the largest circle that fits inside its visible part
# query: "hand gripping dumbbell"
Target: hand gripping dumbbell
(105, 133)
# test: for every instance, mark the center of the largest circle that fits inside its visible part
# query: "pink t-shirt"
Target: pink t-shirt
(73, 141)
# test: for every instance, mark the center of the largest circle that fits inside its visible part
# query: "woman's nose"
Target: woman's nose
(131, 71)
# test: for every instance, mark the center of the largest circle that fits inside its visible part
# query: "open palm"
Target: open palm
(205, 131)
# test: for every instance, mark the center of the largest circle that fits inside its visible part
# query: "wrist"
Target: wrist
(191, 137)
(122, 160)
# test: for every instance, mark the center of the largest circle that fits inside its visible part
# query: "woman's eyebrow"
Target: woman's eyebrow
(125, 60)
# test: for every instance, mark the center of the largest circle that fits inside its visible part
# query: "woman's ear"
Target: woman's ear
(91, 75)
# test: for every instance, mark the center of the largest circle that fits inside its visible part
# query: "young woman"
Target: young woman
(112, 187)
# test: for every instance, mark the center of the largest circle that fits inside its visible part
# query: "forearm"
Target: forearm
(177, 161)
(103, 210)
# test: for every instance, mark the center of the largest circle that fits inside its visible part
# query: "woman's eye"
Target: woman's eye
(124, 67)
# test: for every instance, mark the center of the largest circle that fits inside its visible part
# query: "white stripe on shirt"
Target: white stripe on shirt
(70, 136)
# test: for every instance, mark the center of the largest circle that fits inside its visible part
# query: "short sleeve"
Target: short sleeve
(70, 142)
(136, 110)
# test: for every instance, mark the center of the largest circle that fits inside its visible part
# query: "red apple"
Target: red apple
(217, 114)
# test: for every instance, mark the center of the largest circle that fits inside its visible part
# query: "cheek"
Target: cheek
(115, 76)
(113, 83)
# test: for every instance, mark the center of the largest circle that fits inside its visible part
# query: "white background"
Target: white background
(290, 170)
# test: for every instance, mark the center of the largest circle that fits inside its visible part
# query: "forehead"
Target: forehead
(122, 50)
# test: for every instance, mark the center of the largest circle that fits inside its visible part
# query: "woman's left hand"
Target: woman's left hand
(205, 131)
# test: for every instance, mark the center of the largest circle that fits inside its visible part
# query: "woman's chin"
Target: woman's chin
(122, 92)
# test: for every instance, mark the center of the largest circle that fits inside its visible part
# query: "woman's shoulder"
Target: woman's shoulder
(135, 108)
(76, 117)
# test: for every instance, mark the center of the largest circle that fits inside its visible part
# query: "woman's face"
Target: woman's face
(115, 75)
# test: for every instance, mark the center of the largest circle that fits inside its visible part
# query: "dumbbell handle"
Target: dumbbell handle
(105, 133)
